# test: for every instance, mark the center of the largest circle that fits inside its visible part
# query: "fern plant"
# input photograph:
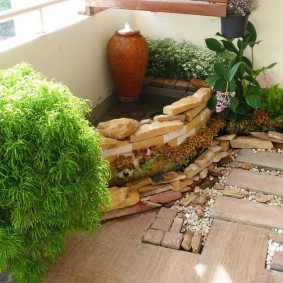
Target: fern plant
(52, 179)
(272, 102)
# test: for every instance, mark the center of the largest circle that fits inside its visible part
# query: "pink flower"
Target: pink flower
(265, 79)
(223, 100)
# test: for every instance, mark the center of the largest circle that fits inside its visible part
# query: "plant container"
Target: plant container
(234, 26)
(128, 57)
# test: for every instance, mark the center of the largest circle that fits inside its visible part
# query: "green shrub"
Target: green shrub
(52, 179)
(272, 102)
(171, 59)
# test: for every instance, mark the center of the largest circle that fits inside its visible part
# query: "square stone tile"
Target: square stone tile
(153, 236)
(277, 261)
(172, 240)
(167, 213)
(163, 224)
(176, 225)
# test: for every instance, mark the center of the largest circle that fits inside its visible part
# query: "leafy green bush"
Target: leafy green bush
(171, 59)
(52, 179)
(235, 84)
(272, 102)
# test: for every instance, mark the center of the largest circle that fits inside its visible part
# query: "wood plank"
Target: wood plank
(256, 181)
(247, 212)
(191, 7)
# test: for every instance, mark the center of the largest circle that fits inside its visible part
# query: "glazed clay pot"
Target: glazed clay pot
(128, 57)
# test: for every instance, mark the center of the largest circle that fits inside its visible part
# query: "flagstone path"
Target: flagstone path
(235, 250)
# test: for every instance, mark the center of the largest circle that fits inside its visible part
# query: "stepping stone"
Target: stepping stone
(153, 236)
(256, 181)
(247, 212)
(277, 262)
(163, 224)
(261, 158)
(167, 213)
(172, 240)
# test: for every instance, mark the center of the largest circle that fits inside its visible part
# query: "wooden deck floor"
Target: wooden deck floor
(234, 253)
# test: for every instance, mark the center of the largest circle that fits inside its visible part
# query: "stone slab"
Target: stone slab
(256, 181)
(153, 236)
(167, 213)
(277, 261)
(250, 142)
(265, 136)
(163, 224)
(142, 206)
(177, 225)
(166, 197)
(261, 158)
(155, 129)
(172, 240)
(247, 212)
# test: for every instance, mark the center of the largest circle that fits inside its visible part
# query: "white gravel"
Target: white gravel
(193, 223)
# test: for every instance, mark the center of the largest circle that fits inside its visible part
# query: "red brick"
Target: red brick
(277, 261)
(153, 236)
(147, 80)
(162, 224)
(141, 206)
(167, 213)
(176, 225)
(169, 83)
(181, 85)
(158, 82)
(172, 240)
(165, 197)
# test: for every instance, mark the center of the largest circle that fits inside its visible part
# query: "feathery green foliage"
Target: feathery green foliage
(272, 102)
(52, 178)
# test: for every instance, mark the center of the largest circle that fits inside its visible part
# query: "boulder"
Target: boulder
(118, 129)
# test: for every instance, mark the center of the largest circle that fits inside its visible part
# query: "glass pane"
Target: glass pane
(7, 29)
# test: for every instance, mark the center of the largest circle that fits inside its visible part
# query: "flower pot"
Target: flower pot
(234, 26)
(128, 57)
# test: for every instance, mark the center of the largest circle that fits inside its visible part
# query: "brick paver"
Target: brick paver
(277, 261)
(153, 236)
(163, 224)
(247, 212)
(261, 158)
(167, 213)
(177, 225)
(256, 181)
(172, 240)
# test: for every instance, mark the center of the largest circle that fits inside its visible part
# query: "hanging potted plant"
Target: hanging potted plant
(235, 23)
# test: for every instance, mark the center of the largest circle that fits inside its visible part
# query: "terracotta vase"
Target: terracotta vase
(128, 57)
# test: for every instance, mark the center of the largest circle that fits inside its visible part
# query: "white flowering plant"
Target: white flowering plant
(173, 59)
(242, 7)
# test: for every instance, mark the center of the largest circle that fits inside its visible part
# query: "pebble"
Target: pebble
(203, 224)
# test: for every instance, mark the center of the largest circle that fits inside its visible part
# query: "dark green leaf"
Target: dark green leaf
(253, 100)
(252, 33)
(213, 44)
(233, 71)
(242, 109)
(230, 46)
(211, 104)
(232, 86)
(234, 102)
(220, 85)
(212, 79)
(271, 66)
(220, 70)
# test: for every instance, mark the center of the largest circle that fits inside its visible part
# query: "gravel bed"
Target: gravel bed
(194, 223)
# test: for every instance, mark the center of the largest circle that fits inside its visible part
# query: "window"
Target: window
(7, 29)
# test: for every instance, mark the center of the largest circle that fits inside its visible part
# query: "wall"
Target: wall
(267, 20)
(75, 55)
